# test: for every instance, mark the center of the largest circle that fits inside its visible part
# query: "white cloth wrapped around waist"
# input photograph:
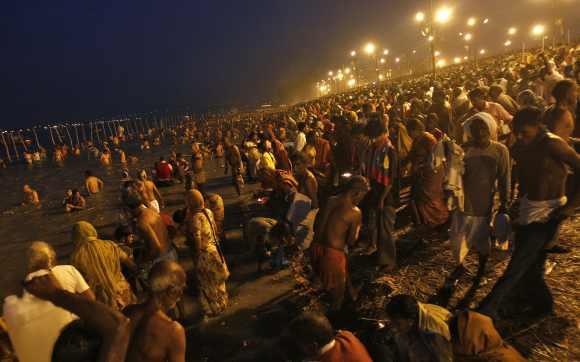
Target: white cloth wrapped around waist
(538, 211)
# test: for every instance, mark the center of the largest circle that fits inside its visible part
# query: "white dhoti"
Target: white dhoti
(469, 232)
(155, 205)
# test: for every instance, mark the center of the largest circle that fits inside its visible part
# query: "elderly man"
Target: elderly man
(34, 325)
(487, 162)
(154, 335)
(542, 207)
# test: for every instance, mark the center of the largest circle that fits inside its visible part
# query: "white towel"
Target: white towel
(538, 211)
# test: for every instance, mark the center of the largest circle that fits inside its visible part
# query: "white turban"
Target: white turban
(487, 119)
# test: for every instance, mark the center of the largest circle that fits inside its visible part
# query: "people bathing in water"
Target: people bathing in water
(73, 201)
(93, 184)
(149, 192)
(31, 197)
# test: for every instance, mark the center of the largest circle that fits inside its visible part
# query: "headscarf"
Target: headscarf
(487, 119)
(434, 319)
(98, 261)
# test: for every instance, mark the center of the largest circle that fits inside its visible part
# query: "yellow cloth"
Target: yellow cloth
(100, 263)
(434, 319)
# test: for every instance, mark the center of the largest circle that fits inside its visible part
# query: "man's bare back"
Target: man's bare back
(340, 224)
(155, 337)
(542, 168)
(152, 228)
(93, 184)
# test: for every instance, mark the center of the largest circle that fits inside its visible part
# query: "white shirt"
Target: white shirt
(34, 325)
(300, 141)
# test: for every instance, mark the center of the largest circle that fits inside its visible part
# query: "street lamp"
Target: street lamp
(539, 30)
(353, 53)
(456, 60)
(382, 60)
(386, 52)
(330, 73)
(397, 60)
(420, 17)
(468, 37)
(507, 43)
(369, 48)
(482, 51)
(443, 15)
(441, 63)
(347, 70)
(512, 31)
(437, 53)
(471, 21)
(486, 20)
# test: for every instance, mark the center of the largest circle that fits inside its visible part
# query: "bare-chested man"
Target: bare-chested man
(335, 229)
(154, 335)
(30, 197)
(150, 227)
(151, 196)
(93, 184)
(307, 183)
(542, 170)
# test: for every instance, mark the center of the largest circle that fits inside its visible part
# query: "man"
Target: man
(502, 117)
(542, 207)
(565, 93)
(151, 228)
(163, 172)
(234, 160)
(154, 335)
(31, 197)
(300, 137)
(74, 201)
(336, 228)
(427, 332)
(149, 192)
(486, 162)
(497, 95)
(93, 184)
(34, 325)
(315, 340)
(421, 330)
(307, 183)
(381, 171)
(442, 109)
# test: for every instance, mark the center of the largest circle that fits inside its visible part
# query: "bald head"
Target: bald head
(39, 256)
(166, 275)
(194, 200)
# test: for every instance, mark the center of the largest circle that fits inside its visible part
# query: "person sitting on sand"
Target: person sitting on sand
(312, 338)
(163, 172)
(155, 336)
(100, 263)
(149, 192)
(30, 197)
(336, 228)
(93, 184)
(74, 201)
(34, 325)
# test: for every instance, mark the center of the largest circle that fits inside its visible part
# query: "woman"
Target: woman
(428, 188)
(100, 263)
(211, 269)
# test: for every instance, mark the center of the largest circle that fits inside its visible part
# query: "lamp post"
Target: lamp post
(440, 16)
(539, 30)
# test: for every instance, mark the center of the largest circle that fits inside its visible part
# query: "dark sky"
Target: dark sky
(77, 60)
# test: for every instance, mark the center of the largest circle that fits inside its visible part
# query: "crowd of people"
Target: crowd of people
(460, 154)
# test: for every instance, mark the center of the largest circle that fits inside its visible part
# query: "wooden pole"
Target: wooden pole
(14, 144)
(22, 141)
(83, 132)
(91, 131)
(77, 134)
(36, 138)
(69, 137)
(6, 147)
(58, 134)
(51, 136)
(98, 134)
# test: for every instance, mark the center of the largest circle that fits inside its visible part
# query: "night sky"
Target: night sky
(78, 60)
